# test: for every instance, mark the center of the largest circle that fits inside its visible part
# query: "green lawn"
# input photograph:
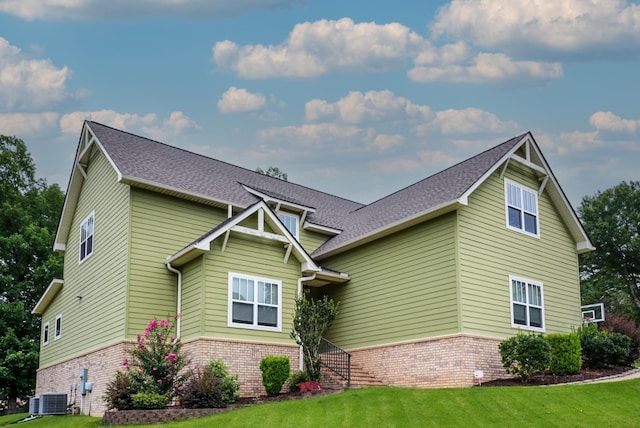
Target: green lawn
(615, 404)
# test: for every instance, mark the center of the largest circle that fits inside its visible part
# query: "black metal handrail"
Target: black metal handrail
(336, 359)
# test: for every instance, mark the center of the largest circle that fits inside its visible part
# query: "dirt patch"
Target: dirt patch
(549, 379)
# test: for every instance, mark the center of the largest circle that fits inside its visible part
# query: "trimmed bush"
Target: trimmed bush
(601, 348)
(296, 378)
(275, 371)
(203, 390)
(525, 354)
(228, 383)
(628, 327)
(118, 392)
(150, 400)
(566, 353)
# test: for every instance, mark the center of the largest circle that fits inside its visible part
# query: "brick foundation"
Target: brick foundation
(437, 362)
(101, 364)
(241, 358)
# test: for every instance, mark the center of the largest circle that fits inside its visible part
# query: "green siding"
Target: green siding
(193, 293)
(253, 256)
(490, 252)
(311, 240)
(160, 226)
(402, 287)
(98, 318)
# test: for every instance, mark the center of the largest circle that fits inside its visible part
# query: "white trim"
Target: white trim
(280, 202)
(255, 302)
(45, 334)
(521, 188)
(87, 254)
(320, 229)
(58, 332)
(54, 286)
(527, 304)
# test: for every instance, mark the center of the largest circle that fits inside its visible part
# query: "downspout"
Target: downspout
(300, 281)
(179, 308)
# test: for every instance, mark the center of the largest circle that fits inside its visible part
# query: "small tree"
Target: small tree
(525, 355)
(310, 321)
(275, 371)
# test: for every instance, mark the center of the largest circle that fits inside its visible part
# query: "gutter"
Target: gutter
(179, 306)
(300, 281)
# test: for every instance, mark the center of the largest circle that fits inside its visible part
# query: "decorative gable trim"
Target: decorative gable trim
(232, 225)
(534, 159)
(47, 297)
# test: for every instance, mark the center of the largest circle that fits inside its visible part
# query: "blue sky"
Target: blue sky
(357, 98)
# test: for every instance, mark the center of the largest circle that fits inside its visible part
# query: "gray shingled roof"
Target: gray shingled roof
(439, 189)
(143, 160)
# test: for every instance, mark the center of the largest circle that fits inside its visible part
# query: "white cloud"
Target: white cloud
(176, 124)
(383, 142)
(315, 48)
(607, 121)
(116, 9)
(237, 100)
(544, 28)
(487, 67)
(421, 160)
(27, 124)
(466, 121)
(319, 135)
(27, 83)
(372, 106)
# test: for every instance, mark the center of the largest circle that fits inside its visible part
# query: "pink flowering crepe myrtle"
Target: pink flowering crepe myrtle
(156, 362)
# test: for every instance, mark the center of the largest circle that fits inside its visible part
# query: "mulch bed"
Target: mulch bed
(549, 379)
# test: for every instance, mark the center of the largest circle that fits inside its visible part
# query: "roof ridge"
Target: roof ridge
(510, 140)
(224, 162)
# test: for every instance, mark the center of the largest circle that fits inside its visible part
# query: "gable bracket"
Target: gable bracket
(303, 216)
(504, 168)
(262, 234)
(226, 239)
(81, 168)
(529, 164)
(545, 180)
(289, 247)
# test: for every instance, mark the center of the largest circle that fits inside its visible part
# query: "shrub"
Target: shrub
(275, 371)
(601, 348)
(525, 355)
(310, 320)
(628, 327)
(297, 378)
(157, 360)
(203, 390)
(566, 353)
(228, 383)
(118, 392)
(150, 400)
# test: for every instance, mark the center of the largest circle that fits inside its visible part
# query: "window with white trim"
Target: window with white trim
(522, 208)
(45, 334)
(527, 304)
(58, 327)
(290, 221)
(255, 302)
(86, 237)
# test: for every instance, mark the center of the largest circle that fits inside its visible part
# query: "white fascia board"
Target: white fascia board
(281, 202)
(396, 226)
(312, 227)
(54, 286)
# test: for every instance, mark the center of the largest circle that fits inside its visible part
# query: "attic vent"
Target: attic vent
(53, 403)
(34, 406)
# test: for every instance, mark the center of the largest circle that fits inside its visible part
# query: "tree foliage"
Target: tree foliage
(611, 273)
(274, 172)
(29, 212)
(525, 355)
(310, 321)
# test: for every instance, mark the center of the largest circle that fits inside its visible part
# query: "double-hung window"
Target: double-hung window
(86, 237)
(255, 302)
(522, 208)
(527, 306)
(290, 221)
